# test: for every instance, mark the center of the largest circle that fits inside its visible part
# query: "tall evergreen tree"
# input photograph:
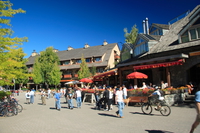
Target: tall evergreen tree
(49, 70)
(131, 37)
(84, 71)
(11, 56)
(93, 70)
(37, 77)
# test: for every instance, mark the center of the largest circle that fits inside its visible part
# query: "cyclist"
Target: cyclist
(157, 97)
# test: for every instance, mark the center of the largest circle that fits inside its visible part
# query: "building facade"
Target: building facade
(166, 52)
(103, 57)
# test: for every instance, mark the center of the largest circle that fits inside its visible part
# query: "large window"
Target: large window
(99, 70)
(141, 49)
(190, 35)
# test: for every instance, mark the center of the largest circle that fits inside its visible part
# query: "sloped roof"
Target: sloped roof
(171, 37)
(162, 26)
(150, 37)
(93, 51)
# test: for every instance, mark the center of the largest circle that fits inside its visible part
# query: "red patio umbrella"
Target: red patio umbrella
(86, 80)
(137, 75)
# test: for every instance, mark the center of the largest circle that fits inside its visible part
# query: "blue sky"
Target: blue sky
(63, 23)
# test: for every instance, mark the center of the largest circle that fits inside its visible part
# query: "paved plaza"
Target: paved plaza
(37, 118)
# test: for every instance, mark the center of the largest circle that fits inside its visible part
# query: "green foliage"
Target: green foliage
(93, 70)
(4, 93)
(46, 69)
(131, 37)
(11, 56)
(84, 71)
(37, 77)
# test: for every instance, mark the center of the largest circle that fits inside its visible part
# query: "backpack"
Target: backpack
(162, 93)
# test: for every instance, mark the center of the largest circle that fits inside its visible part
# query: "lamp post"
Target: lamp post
(131, 53)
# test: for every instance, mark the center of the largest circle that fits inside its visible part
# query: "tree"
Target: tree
(84, 71)
(93, 70)
(37, 77)
(131, 37)
(11, 56)
(48, 67)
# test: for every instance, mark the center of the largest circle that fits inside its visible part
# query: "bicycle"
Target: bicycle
(163, 107)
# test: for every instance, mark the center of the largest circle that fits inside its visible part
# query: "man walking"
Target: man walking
(78, 97)
(57, 99)
(106, 97)
(197, 100)
(120, 102)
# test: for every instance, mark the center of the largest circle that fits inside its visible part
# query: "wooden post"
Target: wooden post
(168, 76)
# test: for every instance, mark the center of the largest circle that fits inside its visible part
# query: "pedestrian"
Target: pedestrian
(49, 93)
(96, 94)
(43, 96)
(124, 91)
(106, 97)
(27, 95)
(57, 97)
(78, 97)
(70, 98)
(120, 102)
(163, 86)
(197, 100)
(32, 94)
(110, 100)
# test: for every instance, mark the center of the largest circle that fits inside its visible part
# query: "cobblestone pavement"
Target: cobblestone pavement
(37, 118)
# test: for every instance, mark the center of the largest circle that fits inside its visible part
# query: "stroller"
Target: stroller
(100, 104)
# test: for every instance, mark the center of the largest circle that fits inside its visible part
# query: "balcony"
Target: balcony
(67, 76)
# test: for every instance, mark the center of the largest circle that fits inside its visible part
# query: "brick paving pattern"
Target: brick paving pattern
(37, 118)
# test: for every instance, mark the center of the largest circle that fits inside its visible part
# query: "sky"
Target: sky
(64, 23)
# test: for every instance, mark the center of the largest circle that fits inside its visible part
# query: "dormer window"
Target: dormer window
(190, 35)
(88, 60)
(141, 47)
(97, 59)
(78, 61)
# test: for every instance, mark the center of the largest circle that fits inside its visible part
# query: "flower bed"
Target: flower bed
(147, 92)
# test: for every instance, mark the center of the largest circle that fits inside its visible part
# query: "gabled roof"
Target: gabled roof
(149, 37)
(162, 26)
(171, 37)
(93, 51)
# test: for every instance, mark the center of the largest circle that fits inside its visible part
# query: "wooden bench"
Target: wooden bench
(138, 99)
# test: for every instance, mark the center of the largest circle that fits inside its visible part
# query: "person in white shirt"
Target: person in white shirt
(43, 96)
(144, 85)
(32, 94)
(28, 96)
(78, 97)
(49, 93)
(119, 100)
(124, 91)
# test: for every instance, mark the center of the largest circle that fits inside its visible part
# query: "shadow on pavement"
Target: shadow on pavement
(52, 108)
(158, 131)
(110, 115)
(185, 105)
(145, 114)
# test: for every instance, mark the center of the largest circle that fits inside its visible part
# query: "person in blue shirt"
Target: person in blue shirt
(197, 100)
(57, 99)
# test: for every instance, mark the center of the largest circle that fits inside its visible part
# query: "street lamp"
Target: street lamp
(131, 53)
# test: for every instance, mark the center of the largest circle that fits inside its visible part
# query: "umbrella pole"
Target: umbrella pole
(135, 81)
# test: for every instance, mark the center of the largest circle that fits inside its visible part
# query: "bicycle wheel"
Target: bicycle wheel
(10, 111)
(146, 108)
(165, 110)
(19, 108)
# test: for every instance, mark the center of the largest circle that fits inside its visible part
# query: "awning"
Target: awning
(108, 73)
(165, 64)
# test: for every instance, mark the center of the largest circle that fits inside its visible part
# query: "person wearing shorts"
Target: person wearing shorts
(197, 100)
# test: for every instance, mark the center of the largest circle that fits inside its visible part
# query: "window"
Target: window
(193, 34)
(185, 37)
(141, 49)
(198, 32)
(78, 61)
(99, 70)
(88, 60)
(66, 62)
(97, 59)
(140, 41)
